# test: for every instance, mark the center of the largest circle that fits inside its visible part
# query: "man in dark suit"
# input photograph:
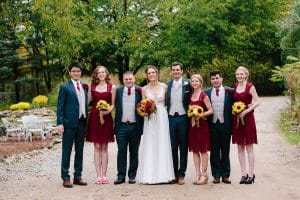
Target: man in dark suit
(177, 104)
(128, 127)
(220, 124)
(71, 121)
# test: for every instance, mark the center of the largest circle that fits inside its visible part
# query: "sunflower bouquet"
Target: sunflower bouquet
(195, 112)
(146, 107)
(102, 105)
(237, 108)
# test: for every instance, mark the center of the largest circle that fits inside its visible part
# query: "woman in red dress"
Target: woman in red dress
(101, 134)
(199, 140)
(244, 134)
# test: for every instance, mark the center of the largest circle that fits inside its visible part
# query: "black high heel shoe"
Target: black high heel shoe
(250, 180)
(244, 179)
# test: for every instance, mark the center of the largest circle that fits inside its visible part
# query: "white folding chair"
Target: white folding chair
(12, 129)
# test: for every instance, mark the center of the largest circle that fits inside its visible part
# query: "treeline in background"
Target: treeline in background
(39, 38)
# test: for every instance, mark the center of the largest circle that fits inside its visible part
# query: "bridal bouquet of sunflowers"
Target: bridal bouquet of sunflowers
(237, 108)
(195, 112)
(146, 107)
(102, 105)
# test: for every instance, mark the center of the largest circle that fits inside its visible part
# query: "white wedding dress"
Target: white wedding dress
(155, 155)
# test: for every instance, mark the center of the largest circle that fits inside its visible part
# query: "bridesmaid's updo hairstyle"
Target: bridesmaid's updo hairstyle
(95, 79)
(244, 69)
(199, 77)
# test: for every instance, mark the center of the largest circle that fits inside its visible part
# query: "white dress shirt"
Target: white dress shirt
(128, 105)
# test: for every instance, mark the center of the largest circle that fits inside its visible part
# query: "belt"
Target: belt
(176, 114)
(82, 117)
(128, 123)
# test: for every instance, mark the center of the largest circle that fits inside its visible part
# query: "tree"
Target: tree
(9, 43)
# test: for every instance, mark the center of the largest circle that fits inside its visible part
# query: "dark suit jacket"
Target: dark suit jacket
(68, 105)
(227, 107)
(186, 91)
(119, 109)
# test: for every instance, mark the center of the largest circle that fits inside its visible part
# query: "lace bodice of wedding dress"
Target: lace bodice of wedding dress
(159, 98)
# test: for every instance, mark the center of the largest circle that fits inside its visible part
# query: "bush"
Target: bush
(20, 106)
(40, 100)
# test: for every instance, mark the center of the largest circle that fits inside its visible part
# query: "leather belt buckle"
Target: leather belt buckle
(176, 114)
(127, 122)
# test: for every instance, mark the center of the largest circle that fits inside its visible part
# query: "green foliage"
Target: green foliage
(290, 74)
(290, 32)
(290, 128)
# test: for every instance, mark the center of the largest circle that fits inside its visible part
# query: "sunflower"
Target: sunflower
(146, 107)
(102, 105)
(195, 110)
(238, 107)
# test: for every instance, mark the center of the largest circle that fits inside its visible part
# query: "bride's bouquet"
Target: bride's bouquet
(237, 108)
(102, 105)
(146, 107)
(195, 112)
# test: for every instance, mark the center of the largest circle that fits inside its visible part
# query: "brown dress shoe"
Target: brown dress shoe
(181, 181)
(226, 180)
(67, 184)
(79, 182)
(216, 180)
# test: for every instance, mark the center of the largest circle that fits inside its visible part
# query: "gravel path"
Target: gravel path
(36, 175)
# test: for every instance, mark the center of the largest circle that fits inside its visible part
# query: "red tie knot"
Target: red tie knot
(129, 91)
(217, 92)
(78, 86)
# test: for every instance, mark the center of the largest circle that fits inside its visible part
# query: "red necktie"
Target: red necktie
(78, 87)
(129, 91)
(217, 92)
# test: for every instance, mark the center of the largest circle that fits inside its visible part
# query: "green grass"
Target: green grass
(4, 106)
(290, 128)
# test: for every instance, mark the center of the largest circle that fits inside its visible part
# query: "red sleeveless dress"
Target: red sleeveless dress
(96, 132)
(244, 134)
(199, 140)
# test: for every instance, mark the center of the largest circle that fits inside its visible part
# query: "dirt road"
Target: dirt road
(37, 176)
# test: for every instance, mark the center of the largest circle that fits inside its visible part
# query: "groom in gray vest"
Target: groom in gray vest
(128, 128)
(221, 98)
(177, 104)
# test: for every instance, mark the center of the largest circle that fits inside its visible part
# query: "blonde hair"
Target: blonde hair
(95, 79)
(199, 77)
(244, 69)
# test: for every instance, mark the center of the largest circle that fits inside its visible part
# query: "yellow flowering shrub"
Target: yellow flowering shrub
(20, 106)
(40, 100)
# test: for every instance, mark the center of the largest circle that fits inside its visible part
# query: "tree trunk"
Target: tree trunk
(17, 88)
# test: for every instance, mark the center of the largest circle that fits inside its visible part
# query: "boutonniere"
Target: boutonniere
(228, 91)
(85, 86)
(138, 89)
(185, 83)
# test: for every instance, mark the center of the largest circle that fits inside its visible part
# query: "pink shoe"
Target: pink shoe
(99, 180)
(104, 180)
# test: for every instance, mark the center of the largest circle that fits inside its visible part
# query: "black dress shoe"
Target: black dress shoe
(250, 180)
(243, 179)
(226, 180)
(131, 181)
(119, 181)
(216, 180)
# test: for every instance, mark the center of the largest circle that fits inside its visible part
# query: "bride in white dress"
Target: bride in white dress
(156, 165)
